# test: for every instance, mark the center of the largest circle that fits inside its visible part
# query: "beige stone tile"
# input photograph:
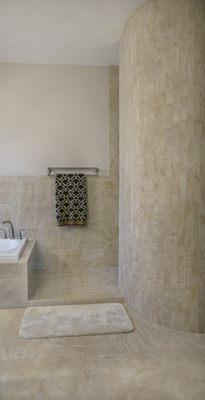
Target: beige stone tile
(75, 285)
(47, 259)
(196, 361)
(70, 239)
(12, 271)
(45, 191)
(14, 197)
(13, 292)
(149, 376)
(47, 237)
(149, 363)
(161, 167)
(22, 216)
(70, 260)
(45, 216)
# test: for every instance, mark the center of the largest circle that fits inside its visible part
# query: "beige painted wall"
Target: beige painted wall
(30, 203)
(52, 116)
(161, 178)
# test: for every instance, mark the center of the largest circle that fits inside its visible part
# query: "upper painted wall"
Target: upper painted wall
(52, 116)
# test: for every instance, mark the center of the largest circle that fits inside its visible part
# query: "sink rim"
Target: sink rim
(9, 244)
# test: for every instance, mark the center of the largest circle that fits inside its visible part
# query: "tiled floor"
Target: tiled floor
(150, 363)
(79, 285)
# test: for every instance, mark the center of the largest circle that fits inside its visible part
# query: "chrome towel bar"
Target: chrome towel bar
(51, 171)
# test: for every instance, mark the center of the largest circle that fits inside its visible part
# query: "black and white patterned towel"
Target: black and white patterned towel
(71, 199)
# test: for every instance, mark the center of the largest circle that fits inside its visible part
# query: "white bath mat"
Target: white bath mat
(74, 320)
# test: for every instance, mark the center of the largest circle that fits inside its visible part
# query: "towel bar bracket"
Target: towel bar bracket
(51, 171)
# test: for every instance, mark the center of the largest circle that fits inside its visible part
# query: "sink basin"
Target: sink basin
(8, 244)
(11, 249)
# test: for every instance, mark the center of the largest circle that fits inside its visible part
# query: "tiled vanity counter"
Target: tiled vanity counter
(16, 278)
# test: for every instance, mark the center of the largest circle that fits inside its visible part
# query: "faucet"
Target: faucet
(5, 233)
(22, 233)
(11, 226)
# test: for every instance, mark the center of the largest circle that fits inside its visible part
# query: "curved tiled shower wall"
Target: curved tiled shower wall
(162, 163)
(29, 203)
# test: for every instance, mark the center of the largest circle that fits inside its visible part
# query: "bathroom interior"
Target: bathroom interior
(102, 200)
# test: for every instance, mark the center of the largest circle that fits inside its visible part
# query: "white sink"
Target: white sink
(11, 249)
(8, 244)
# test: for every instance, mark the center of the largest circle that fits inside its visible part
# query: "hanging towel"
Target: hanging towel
(71, 199)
